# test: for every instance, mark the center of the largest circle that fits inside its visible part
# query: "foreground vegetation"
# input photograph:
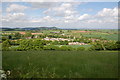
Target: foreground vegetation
(61, 64)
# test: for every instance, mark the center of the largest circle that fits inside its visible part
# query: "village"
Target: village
(36, 35)
(58, 37)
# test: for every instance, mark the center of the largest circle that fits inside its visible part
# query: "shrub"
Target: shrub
(80, 48)
(65, 48)
(92, 48)
(70, 48)
(35, 44)
(6, 45)
(51, 47)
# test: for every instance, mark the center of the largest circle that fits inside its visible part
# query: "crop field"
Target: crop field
(98, 35)
(61, 64)
(105, 36)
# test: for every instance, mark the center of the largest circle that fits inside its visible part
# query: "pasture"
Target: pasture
(61, 64)
(105, 34)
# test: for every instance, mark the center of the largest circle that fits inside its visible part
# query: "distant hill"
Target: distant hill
(30, 28)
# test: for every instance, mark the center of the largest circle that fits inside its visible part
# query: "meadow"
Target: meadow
(61, 64)
(105, 34)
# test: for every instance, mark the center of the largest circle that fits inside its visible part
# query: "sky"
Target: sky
(78, 15)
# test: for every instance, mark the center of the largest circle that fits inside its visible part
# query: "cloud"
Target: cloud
(60, 0)
(108, 15)
(84, 16)
(65, 9)
(39, 0)
(94, 21)
(14, 17)
(16, 8)
(63, 15)
(44, 19)
(44, 4)
(0, 16)
(0, 11)
(108, 12)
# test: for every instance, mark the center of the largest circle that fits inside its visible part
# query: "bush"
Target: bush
(51, 47)
(70, 48)
(6, 45)
(118, 45)
(109, 45)
(65, 48)
(80, 48)
(92, 48)
(35, 44)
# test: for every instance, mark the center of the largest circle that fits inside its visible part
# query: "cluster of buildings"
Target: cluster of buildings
(76, 43)
(23, 33)
(7, 33)
(56, 39)
(93, 40)
(62, 39)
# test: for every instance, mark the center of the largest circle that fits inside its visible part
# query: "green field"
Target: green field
(61, 64)
(105, 36)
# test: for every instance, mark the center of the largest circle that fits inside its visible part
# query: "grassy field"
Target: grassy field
(106, 34)
(61, 64)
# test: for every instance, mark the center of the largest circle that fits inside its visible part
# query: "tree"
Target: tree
(6, 45)
(61, 31)
(35, 44)
(118, 45)
(4, 38)
(17, 35)
(32, 36)
(25, 45)
(63, 42)
(106, 45)
(9, 37)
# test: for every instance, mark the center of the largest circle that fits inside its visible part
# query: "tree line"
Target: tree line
(39, 44)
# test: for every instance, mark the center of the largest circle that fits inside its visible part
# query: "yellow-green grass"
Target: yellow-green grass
(61, 64)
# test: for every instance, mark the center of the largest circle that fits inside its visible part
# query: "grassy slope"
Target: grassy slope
(61, 64)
